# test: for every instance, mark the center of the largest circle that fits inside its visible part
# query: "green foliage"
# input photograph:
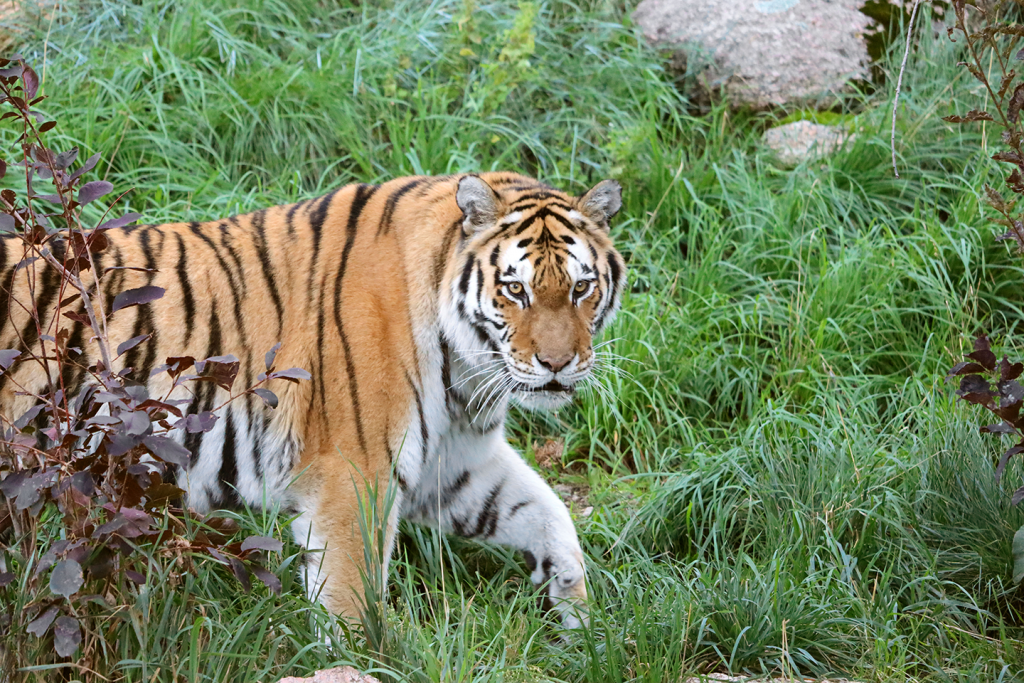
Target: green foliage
(779, 478)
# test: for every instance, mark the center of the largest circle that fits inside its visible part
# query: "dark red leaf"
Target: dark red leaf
(151, 403)
(120, 222)
(291, 374)
(47, 126)
(78, 317)
(135, 577)
(83, 483)
(7, 357)
(1016, 102)
(241, 572)
(1019, 448)
(965, 368)
(1008, 158)
(66, 578)
(1010, 392)
(67, 636)
(65, 159)
(179, 364)
(271, 354)
(985, 357)
(41, 624)
(998, 428)
(116, 523)
(222, 370)
(1018, 496)
(167, 450)
(262, 543)
(268, 396)
(87, 166)
(136, 297)
(30, 82)
(268, 578)
(202, 422)
(131, 343)
(1008, 371)
(93, 190)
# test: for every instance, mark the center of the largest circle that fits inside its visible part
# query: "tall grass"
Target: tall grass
(780, 479)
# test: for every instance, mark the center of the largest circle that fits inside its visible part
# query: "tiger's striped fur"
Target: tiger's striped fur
(420, 307)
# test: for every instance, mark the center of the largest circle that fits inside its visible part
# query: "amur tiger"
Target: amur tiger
(421, 308)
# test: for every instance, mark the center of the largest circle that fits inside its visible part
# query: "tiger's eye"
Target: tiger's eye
(582, 286)
(515, 288)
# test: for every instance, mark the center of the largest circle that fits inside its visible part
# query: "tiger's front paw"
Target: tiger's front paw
(566, 584)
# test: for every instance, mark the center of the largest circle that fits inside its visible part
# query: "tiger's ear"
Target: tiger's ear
(479, 203)
(602, 202)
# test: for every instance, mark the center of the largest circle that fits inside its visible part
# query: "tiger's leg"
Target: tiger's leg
(330, 529)
(488, 492)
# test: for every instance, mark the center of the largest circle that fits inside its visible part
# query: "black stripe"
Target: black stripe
(539, 196)
(424, 432)
(518, 506)
(467, 272)
(225, 240)
(479, 283)
(229, 465)
(260, 241)
(188, 302)
(614, 272)
(362, 195)
(317, 216)
(487, 522)
(73, 372)
(6, 291)
(389, 208)
(441, 258)
(143, 317)
(239, 322)
(290, 216)
(51, 283)
(452, 490)
(115, 281)
(320, 351)
(446, 372)
(194, 442)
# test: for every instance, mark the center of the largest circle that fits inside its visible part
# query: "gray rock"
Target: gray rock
(803, 140)
(765, 52)
(341, 674)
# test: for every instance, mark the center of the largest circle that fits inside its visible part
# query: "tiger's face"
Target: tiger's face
(536, 279)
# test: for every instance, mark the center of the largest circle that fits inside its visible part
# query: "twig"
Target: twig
(87, 303)
(899, 82)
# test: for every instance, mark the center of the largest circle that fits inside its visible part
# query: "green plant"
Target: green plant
(85, 476)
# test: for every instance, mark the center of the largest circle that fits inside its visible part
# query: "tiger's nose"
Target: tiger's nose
(553, 363)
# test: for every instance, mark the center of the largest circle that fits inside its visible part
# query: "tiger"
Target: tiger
(421, 308)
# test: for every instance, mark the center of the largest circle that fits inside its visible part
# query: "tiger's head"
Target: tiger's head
(535, 279)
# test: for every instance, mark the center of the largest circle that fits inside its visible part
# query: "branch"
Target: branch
(899, 83)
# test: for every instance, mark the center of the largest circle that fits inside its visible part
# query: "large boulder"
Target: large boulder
(765, 52)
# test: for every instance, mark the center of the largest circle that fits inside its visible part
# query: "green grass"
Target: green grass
(780, 478)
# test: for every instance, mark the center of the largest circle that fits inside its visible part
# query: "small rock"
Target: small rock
(341, 674)
(803, 140)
